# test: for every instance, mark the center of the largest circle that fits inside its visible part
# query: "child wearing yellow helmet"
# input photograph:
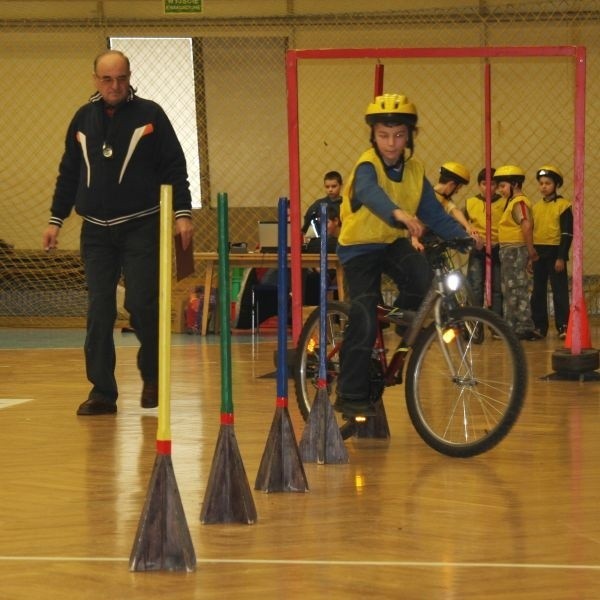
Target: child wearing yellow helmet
(517, 253)
(552, 236)
(386, 200)
(452, 177)
(476, 214)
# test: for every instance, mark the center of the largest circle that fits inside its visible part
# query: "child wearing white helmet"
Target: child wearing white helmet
(552, 237)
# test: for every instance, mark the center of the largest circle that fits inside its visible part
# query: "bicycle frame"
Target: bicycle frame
(392, 370)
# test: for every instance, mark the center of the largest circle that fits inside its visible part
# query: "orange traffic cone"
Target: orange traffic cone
(579, 311)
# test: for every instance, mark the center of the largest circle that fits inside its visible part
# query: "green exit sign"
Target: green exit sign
(183, 6)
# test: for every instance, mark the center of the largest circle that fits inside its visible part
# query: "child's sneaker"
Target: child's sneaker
(533, 335)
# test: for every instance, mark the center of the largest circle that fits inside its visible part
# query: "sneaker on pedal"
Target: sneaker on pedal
(352, 408)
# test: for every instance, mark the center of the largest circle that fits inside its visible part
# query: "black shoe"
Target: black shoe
(531, 336)
(355, 408)
(97, 404)
(149, 395)
(562, 332)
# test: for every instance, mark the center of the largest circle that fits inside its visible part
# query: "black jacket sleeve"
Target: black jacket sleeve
(566, 234)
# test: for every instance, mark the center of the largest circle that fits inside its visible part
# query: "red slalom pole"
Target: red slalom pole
(378, 87)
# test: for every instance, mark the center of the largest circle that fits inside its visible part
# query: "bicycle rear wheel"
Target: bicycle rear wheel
(464, 395)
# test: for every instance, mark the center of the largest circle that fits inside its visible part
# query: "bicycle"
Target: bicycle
(483, 377)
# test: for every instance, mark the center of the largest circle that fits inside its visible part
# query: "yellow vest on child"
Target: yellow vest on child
(546, 220)
(509, 231)
(475, 207)
(363, 226)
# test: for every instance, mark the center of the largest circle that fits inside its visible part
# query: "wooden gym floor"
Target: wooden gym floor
(398, 521)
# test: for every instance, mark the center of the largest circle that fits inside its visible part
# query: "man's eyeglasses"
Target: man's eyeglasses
(106, 80)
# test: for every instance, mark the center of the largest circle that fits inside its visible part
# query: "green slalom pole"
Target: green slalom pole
(224, 308)
(228, 497)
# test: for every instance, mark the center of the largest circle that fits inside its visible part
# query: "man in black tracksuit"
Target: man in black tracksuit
(119, 149)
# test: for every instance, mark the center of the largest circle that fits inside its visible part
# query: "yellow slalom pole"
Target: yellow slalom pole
(163, 435)
(163, 540)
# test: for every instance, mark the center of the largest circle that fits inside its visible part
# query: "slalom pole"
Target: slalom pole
(322, 440)
(281, 468)
(163, 540)
(488, 178)
(228, 497)
(282, 303)
(378, 83)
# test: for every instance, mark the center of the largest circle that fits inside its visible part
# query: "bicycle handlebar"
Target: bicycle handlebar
(439, 245)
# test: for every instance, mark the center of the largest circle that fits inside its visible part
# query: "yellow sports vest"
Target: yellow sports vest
(546, 221)
(476, 212)
(363, 226)
(509, 231)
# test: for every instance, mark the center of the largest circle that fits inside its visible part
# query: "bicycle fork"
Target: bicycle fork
(447, 335)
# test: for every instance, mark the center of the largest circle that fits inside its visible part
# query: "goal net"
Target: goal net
(476, 105)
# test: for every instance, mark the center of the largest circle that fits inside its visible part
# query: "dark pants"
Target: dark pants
(130, 249)
(410, 272)
(544, 271)
(476, 276)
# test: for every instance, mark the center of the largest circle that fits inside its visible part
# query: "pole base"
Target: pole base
(569, 376)
(321, 439)
(228, 498)
(374, 427)
(281, 468)
(574, 367)
(163, 540)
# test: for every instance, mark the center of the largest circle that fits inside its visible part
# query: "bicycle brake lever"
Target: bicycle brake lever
(463, 244)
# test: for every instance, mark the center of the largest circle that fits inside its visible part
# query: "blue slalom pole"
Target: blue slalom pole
(281, 467)
(282, 304)
(323, 295)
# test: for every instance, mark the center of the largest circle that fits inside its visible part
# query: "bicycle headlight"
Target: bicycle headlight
(452, 281)
(449, 335)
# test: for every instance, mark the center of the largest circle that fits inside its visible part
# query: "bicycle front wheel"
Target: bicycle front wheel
(464, 393)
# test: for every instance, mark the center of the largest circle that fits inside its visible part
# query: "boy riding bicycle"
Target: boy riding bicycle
(386, 200)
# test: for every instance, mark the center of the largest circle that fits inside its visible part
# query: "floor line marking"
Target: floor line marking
(336, 563)
(9, 402)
